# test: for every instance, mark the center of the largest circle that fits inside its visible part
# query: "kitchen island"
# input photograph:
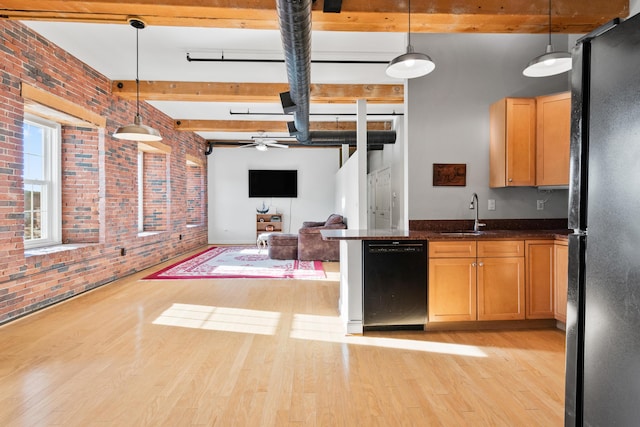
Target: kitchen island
(520, 284)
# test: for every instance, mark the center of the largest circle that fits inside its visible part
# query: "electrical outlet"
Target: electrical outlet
(491, 204)
(540, 205)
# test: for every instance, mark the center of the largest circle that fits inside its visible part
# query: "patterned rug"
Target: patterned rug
(239, 262)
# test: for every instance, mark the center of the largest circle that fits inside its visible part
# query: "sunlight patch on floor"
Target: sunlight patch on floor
(225, 319)
(330, 329)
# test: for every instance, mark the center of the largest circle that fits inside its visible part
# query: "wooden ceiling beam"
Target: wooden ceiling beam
(269, 125)
(257, 92)
(437, 16)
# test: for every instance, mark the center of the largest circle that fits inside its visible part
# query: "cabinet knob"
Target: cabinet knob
(473, 264)
(481, 264)
(510, 179)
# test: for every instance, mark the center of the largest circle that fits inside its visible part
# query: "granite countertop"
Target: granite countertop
(443, 234)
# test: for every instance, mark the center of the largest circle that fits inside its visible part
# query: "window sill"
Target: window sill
(54, 249)
(149, 233)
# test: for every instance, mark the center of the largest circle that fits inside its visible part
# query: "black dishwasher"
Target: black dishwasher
(394, 284)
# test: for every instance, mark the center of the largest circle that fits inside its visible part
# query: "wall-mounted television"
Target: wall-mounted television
(273, 183)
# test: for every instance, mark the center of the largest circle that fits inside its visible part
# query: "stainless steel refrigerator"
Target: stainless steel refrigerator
(603, 312)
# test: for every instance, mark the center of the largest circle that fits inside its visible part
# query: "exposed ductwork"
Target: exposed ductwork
(295, 29)
(341, 137)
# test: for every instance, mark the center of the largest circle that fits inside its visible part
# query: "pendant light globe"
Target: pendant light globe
(410, 65)
(136, 131)
(548, 64)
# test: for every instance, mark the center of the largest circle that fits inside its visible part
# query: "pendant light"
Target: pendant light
(411, 64)
(137, 131)
(549, 63)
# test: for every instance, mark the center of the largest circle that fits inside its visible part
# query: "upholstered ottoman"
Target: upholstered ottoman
(283, 246)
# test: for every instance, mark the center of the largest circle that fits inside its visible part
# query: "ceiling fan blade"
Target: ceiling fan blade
(249, 144)
(275, 144)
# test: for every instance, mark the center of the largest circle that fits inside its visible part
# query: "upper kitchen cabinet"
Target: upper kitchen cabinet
(553, 134)
(512, 154)
(530, 141)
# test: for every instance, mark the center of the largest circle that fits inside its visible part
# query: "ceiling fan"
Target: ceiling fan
(262, 143)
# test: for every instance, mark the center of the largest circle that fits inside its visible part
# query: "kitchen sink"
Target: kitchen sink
(461, 233)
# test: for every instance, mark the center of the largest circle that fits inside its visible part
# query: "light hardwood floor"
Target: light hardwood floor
(263, 353)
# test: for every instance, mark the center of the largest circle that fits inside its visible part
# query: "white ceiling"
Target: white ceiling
(110, 49)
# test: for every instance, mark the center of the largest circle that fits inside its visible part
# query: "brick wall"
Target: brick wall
(99, 182)
(156, 201)
(195, 187)
(80, 185)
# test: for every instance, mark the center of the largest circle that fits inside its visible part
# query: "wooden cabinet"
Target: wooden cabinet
(561, 280)
(265, 223)
(471, 280)
(452, 281)
(547, 276)
(540, 285)
(501, 280)
(553, 134)
(512, 152)
(497, 280)
(529, 141)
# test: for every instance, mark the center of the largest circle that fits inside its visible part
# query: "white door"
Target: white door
(371, 200)
(383, 199)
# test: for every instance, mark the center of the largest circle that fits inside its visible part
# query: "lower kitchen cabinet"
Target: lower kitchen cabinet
(488, 285)
(547, 276)
(501, 288)
(483, 280)
(501, 280)
(561, 280)
(540, 256)
(452, 289)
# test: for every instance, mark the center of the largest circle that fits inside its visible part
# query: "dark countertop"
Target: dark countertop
(434, 235)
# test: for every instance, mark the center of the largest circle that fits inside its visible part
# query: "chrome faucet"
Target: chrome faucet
(474, 205)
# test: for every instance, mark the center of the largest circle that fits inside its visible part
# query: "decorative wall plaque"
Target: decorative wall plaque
(450, 174)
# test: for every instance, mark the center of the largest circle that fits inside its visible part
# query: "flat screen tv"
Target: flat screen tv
(273, 183)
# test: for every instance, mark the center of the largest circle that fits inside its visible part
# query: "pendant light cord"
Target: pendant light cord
(549, 21)
(137, 76)
(409, 28)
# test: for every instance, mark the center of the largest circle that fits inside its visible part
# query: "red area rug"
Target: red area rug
(239, 262)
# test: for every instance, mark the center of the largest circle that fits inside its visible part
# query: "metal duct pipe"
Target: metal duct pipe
(295, 29)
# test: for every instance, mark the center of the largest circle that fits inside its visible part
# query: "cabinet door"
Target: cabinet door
(553, 135)
(561, 281)
(501, 288)
(512, 150)
(540, 280)
(521, 142)
(452, 289)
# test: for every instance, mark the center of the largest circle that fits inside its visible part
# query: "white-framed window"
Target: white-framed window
(42, 182)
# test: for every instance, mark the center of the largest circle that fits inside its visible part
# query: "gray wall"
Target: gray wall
(448, 122)
(634, 7)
